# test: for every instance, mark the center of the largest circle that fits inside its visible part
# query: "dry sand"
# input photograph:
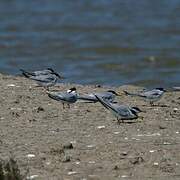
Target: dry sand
(86, 142)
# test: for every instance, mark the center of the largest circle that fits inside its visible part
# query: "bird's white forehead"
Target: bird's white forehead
(70, 91)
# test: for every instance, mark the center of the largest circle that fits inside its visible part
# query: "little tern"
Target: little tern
(151, 95)
(121, 112)
(68, 97)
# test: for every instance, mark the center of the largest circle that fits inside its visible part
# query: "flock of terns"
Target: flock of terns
(48, 77)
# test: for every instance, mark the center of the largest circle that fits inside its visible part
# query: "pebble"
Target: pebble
(124, 153)
(166, 143)
(77, 162)
(39, 109)
(175, 109)
(137, 160)
(48, 163)
(116, 167)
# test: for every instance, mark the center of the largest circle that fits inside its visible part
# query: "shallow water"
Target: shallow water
(106, 42)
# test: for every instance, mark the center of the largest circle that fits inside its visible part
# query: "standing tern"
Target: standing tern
(107, 95)
(68, 97)
(151, 95)
(121, 112)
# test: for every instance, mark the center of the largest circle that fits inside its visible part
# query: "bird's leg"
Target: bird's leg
(46, 88)
(118, 120)
(63, 106)
(151, 103)
(69, 106)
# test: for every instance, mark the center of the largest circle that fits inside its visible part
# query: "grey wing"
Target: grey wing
(57, 96)
(124, 111)
(89, 97)
(152, 94)
(35, 73)
(43, 78)
(43, 72)
(66, 97)
(106, 96)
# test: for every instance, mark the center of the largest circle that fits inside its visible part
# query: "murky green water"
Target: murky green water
(108, 42)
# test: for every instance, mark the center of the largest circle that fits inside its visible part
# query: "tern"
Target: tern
(121, 112)
(68, 97)
(151, 95)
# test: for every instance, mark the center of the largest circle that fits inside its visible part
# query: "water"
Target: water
(110, 42)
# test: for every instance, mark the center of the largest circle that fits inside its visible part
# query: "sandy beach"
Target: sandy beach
(85, 142)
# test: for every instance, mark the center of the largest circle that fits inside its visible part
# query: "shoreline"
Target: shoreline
(86, 141)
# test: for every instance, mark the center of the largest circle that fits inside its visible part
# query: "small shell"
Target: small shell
(30, 155)
(151, 151)
(155, 163)
(101, 127)
(11, 85)
(124, 176)
(72, 172)
(32, 177)
(91, 162)
(116, 132)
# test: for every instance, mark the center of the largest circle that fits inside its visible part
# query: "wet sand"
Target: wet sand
(86, 142)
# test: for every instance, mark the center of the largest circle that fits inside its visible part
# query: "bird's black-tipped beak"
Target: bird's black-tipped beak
(125, 92)
(120, 93)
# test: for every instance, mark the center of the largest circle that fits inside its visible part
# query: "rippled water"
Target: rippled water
(110, 42)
